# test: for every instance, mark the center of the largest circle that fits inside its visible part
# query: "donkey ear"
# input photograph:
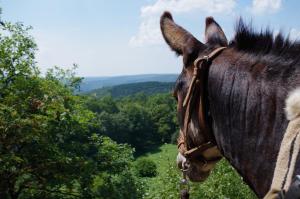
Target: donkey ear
(177, 37)
(214, 34)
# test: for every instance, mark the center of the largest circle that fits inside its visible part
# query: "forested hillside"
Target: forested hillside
(55, 144)
(139, 120)
(91, 83)
(148, 88)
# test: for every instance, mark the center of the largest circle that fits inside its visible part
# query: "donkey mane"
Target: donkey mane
(262, 43)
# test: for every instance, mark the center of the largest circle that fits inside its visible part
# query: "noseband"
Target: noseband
(207, 152)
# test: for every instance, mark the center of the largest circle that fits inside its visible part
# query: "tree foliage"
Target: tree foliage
(47, 146)
(146, 167)
(139, 120)
(123, 90)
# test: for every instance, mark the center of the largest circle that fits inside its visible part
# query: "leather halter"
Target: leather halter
(199, 81)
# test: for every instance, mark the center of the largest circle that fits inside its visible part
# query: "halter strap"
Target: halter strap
(199, 80)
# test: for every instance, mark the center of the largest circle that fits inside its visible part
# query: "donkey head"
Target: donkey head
(187, 46)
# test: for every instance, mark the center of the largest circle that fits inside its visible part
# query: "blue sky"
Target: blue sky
(121, 37)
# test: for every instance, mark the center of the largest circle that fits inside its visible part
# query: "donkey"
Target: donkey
(250, 91)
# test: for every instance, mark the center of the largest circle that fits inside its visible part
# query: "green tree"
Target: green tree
(139, 120)
(116, 179)
(162, 110)
(47, 148)
(140, 128)
(145, 167)
(104, 104)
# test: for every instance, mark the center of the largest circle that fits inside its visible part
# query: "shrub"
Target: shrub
(146, 167)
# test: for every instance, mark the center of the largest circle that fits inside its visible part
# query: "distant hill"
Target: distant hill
(148, 88)
(91, 83)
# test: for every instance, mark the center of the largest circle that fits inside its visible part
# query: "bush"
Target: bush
(146, 167)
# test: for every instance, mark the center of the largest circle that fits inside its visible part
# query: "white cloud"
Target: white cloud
(294, 34)
(265, 6)
(148, 33)
(149, 30)
(182, 6)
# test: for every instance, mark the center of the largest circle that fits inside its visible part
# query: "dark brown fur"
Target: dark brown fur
(247, 87)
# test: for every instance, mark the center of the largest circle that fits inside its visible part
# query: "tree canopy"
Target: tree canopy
(47, 145)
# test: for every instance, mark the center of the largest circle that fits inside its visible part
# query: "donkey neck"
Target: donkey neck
(248, 117)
